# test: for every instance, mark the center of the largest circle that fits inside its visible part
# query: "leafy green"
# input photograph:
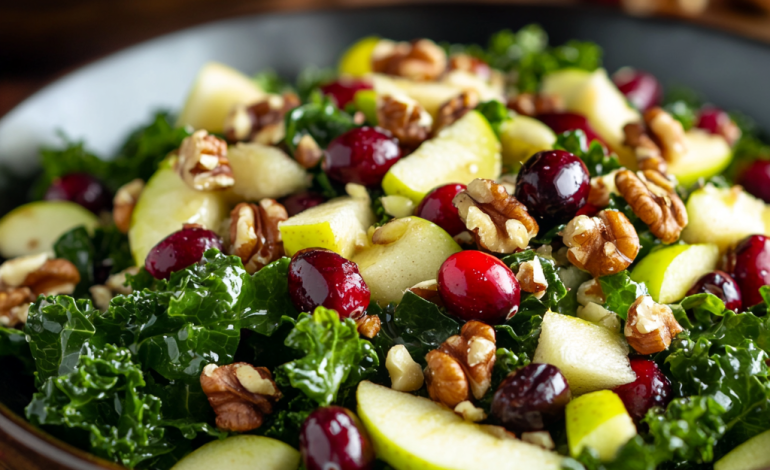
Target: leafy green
(318, 118)
(620, 292)
(269, 81)
(285, 425)
(271, 301)
(13, 343)
(555, 291)
(597, 161)
(683, 104)
(495, 112)
(311, 78)
(71, 158)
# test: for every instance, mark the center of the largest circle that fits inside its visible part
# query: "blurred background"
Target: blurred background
(40, 40)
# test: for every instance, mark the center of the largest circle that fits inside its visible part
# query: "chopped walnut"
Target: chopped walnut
(539, 438)
(203, 162)
(499, 222)
(421, 59)
(405, 374)
(654, 200)
(308, 153)
(428, 290)
(455, 108)
(650, 326)
(470, 64)
(529, 104)
(240, 394)
(602, 245)
(14, 304)
(648, 155)
(469, 412)
(115, 285)
(446, 379)
(41, 275)
(667, 132)
(531, 277)
(254, 234)
(124, 202)
(368, 326)
(405, 119)
(261, 122)
(590, 291)
(601, 189)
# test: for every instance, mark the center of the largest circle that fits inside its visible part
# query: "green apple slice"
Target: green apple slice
(590, 356)
(357, 60)
(262, 171)
(707, 155)
(598, 420)
(403, 252)
(242, 453)
(753, 454)
(339, 225)
(415, 433)
(34, 228)
(165, 204)
(670, 272)
(565, 83)
(523, 136)
(462, 152)
(216, 89)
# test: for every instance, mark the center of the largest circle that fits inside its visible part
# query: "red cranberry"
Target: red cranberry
(716, 121)
(722, 285)
(756, 179)
(437, 207)
(564, 122)
(531, 398)
(180, 250)
(362, 155)
(477, 286)
(554, 186)
(303, 201)
(319, 277)
(651, 388)
(589, 210)
(642, 89)
(749, 264)
(344, 89)
(333, 438)
(80, 188)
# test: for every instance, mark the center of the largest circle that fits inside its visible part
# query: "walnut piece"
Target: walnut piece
(428, 290)
(261, 122)
(405, 119)
(650, 326)
(602, 245)
(115, 285)
(455, 108)
(41, 275)
(254, 234)
(667, 132)
(530, 104)
(422, 59)
(499, 222)
(531, 277)
(445, 379)
(368, 326)
(405, 374)
(601, 189)
(308, 153)
(648, 154)
(539, 438)
(590, 291)
(240, 394)
(469, 412)
(124, 203)
(470, 64)
(203, 163)
(654, 200)
(14, 304)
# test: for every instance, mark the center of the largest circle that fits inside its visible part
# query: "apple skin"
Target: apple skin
(751, 455)
(598, 420)
(357, 59)
(707, 155)
(262, 171)
(670, 272)
(244, 452)
(523, 136)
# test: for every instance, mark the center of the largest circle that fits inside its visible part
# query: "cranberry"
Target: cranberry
(749, 264)
(362, 155)
(642, 89)
(716, 121)
(319, 277)
(564, 122)
(333, 438)
(80, 188)
(180, 250)
(344, 89)
(720, 284)
(589, 210)
(651, 388)
(477, 286)
(756, 179)
(554, 186)
(531, 398)
(437, 207)
(303, 201)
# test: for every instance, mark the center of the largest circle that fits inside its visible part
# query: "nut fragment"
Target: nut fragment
(602, 245)
(539, 438)
(650, 326)
(428, 290)
(421, 59)
(648, 154)
(14, 271)
(470, 412)
(308, 153)
(667, 132)
(124, 202)
(532, 278)
(405, 119)
(203, 162)
(240, 394)
(455, 108)
(115, 285)
(590, 291)
(601, 189)
(261, 122)
(499, 222)
(40, 274)
(14, 303)
(405, 374)
(470, 64)
(530, 104)
(254, 233)
(445, 379)
(368, 326)
(654, 200)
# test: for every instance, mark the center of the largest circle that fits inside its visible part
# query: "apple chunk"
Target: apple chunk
(403, 252)
(261, 171)
(598, 420)
(412, 433)
(242, 453)
(522, 137)
(751, 455)
(707, 155)
(670, 272)
(590, 356)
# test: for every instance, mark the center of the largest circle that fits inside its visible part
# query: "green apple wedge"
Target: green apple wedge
(523, 136)
(598, 420)
(165, 204)
(243, 452)
(262, 171)
(466, 150)
(339, 225)
(415, 433)
(216, 89)
(403, 252)
(707, 155)
(357, 59)
(753, 454)
(34, 227)
(670, 272)
(591, 357)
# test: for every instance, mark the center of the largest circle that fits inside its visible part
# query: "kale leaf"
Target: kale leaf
(13, 343)
(495, 112)
(620, 292)
(593, 155)
(318, 118)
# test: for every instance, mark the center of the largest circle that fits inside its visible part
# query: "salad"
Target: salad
(433, 256)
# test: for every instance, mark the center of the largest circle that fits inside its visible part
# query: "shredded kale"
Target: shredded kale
(597, 161)
(620, 292)
(495, 112)
(319, 118)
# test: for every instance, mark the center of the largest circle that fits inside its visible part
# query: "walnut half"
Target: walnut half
(650, 326)
(254, 233)
(602, 245)
(422, 59)
(653, 198)
(203, 162)
(405, 119)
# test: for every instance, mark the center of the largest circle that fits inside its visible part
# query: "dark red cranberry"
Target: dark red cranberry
(722, 285)
(564, 122)
(437, 207)
(651, 388)
(344, 89)
(476, 286)
(362, 155)
(749, 264)
(333, 438)
(554, 186)
(180, 250)
(716, 121)
(589, 210)
(756, 179)
(319, 277)
(642, 89)
(82, 189)
(303, 201)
